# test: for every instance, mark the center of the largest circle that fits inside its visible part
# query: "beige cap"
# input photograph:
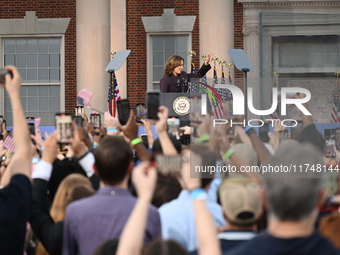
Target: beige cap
(240, 199)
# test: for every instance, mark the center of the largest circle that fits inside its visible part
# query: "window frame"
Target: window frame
(62, 65)
(297, 70)
(149, 49)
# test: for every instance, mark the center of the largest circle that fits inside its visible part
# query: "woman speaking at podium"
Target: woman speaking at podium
(175, 79)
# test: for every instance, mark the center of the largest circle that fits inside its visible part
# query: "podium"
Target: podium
(179, 105)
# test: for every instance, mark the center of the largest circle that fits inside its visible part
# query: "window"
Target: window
(39, 63)
(164, 40)
(307, 54)
(162, 48)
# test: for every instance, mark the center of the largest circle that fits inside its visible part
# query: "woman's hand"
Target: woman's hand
(207, 60)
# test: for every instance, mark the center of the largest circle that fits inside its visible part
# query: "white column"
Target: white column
(93, 49)
(216, 22)
(118, 39)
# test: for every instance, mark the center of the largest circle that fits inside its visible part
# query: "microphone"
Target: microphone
(185, 84)
(178, 82)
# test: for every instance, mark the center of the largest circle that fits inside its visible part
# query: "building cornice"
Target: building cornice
(249, 4)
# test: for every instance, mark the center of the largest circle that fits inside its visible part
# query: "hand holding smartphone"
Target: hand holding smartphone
(169, 165)
(31, 124)
(123, 109)
(78, 120)
(64, 128)
(173, 124)
(140, 112)
(153, 105)
(3, 72)
(95, 122)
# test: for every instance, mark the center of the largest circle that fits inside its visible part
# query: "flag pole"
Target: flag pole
(191, 53)
(222, 63)
(111, 88)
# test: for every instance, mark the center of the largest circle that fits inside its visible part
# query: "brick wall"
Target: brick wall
(238, 38)
(15, 9)
(136, 39)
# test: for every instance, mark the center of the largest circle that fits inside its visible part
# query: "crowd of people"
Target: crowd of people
(112, 193)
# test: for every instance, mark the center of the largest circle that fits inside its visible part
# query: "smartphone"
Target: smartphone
(79, 110)
(3, 72)
(283, 135)
(140, 112)
(337, 138)
(152, 105)
(144, 137)
(173, 124)
(63, 122)
(95, 122)
(169, 165)
(195, 110)
(329, 148)
(263, 132)
(31, 124)
(123, 109)
(78, 120)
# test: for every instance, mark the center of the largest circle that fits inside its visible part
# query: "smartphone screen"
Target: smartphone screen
(123, 109)
(140, 112)
(195, 110)
(31, 125)
(263, 130)
(173, 124)
(169, 165)
(64, 128)
(329, 148)
(152, 105)
(95, 122)
(79, 110)
(337, 138)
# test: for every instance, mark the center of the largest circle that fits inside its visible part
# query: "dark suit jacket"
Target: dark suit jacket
(49, 233)
(179, 83)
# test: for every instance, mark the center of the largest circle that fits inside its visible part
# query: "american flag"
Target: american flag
(9, 143)
(113, 96)
(193, 83)
(85, 95)
(276, 114)
(37, 122)
(215, 101)
(224, 91)
(336, 104)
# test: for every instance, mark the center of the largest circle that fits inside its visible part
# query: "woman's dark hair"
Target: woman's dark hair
(107, 248)
(157, 148)
(172, 63)
(164, 247)
(167, 189)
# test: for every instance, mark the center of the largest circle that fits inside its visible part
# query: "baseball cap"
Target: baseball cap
(240, 200)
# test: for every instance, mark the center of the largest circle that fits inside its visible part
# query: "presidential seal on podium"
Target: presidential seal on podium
(181, 105)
